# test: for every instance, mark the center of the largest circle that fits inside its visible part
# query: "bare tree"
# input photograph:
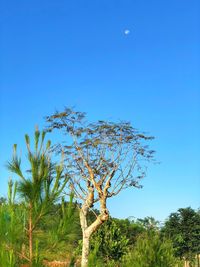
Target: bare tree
(101, 159)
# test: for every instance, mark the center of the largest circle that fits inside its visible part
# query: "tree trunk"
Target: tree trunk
(85, 239)
(85, 250)
(89, 230)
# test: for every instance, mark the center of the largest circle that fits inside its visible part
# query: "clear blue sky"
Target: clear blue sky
(56, 53)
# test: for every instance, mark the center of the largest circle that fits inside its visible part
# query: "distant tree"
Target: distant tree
(41, 185)
(183, 227)
(2, 200)
(149, 223)
(101, 159)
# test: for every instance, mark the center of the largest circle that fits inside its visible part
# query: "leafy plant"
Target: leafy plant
(109, 243)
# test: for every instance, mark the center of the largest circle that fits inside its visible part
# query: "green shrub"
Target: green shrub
(109, 242)
(151, 251)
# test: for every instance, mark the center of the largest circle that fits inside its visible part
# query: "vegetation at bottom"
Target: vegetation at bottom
(119, 242)
(48, 217)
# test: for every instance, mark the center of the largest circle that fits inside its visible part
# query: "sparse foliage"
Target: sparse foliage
(101, 159)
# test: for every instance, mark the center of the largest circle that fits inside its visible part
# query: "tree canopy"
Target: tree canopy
(101, 158)
(183, 227)
(96, 153)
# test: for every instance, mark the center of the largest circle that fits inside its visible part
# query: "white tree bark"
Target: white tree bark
(85, 250)
(87, 231)
(85, 239)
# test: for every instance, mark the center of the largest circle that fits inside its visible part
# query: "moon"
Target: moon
(127, 32)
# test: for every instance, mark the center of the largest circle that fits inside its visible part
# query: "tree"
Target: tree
(183, 227)
(151, 250)
(101, 159)
(41, 186)
(149, 223)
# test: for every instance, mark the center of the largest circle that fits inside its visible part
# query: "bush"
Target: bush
(109, 243)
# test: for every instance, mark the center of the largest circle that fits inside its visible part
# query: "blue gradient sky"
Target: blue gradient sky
(59, 53)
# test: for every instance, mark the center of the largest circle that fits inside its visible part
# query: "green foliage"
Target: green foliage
(11, 229)
(131, 229)
(11, 224)
(7, 258)
(56, 236)
(45, 182)
(94, 257)
(183, 227)
(44, 218)
(109, 242)
(60, 231)
(2, 200)
(148, 223)
(151, 251)
(40, 187)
